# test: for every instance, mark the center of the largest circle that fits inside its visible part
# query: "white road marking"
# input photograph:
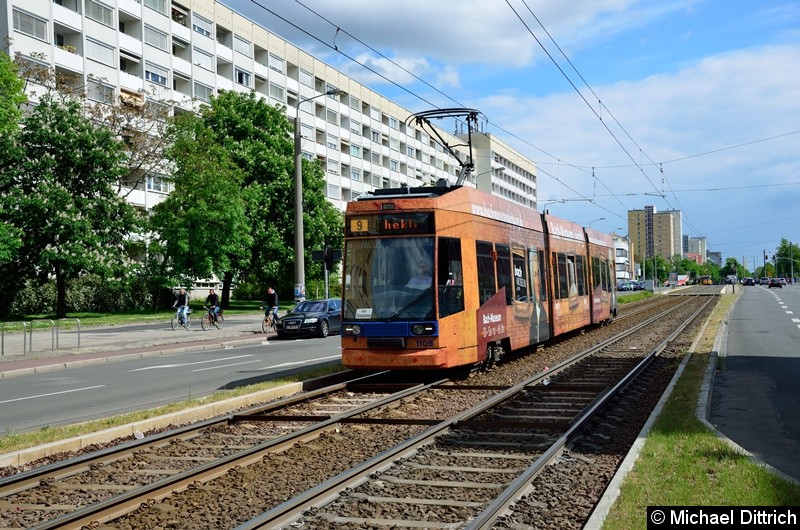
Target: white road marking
(180, 365)
(52, 394)
(226, 365)
(304, 362)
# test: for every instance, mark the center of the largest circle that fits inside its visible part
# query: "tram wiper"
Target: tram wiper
(413, 302)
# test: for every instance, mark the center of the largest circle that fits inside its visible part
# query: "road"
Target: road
(756, 396)
(136, 382)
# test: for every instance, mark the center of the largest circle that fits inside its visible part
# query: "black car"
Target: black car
(775, 282)
(748, 281)
(312, 317)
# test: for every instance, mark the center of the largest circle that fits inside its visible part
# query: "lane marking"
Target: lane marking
(303, 362)
(51, 394)
(181, 365)
(226, 365)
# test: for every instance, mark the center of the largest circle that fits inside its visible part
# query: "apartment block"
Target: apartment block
(655, 233)
(187, 51)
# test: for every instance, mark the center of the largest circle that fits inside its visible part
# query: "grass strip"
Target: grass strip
(682, 463)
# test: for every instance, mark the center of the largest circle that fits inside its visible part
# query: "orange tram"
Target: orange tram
(441, 277)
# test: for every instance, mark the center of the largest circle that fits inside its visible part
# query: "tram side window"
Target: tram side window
(486, 282)
(562, 275)
(520, 276)
(450, 278)
(542, 276)
(504, 277)
(597, 274)
(536, 285)
(580, 273)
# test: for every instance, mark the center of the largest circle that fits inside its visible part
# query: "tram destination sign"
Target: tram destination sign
(390, 224)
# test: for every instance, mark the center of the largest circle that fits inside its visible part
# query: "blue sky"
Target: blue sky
(689, 105)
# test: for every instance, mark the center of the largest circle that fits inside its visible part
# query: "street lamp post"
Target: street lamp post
(594, 221)
(299, 236)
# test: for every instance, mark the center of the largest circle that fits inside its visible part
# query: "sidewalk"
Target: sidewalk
(35, 353)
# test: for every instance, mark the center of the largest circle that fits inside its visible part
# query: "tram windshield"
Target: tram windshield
(389, 279)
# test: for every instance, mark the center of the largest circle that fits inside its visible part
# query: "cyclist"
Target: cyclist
(270, 304)
(212, 300)
(182, 303)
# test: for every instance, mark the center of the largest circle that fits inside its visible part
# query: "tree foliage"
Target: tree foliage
(11, 88)
(251, 145)
(64, 194)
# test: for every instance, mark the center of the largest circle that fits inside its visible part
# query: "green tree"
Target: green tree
(65, 200)
(202, 227)
(11, 88)
(256, 139)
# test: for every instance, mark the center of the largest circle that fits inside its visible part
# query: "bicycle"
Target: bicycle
(209, 320)
(270, 322)
(176, 320)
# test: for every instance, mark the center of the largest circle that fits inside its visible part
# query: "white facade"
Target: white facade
(623, 258)
(189, 50)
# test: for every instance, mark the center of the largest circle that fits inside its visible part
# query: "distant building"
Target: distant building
(655, 233)
(622, 257)
(698, 246)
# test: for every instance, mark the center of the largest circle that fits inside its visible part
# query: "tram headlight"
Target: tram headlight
(352, 330)
(422, 329)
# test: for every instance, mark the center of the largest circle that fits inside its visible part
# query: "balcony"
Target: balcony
(131, 82)
(181, 31)
(261, 71)
(66, 17)
(224, 54)
(132, 7)
(69, 60)
(130, 44)
(181, 66)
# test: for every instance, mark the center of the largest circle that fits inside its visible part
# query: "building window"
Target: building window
(99, 52)
(355, 127)
(277, 92)
(333, 167)
(276, 63)
(30, 25)
(332, 142)
(203, 92)
(99, 12)
(155, 38)
(355, 174)
(393, 165)
(355, 150)
(355, 103)
(201, 25)
(376, 136)
(97, 91)
(305, 78)
(393, 123)
(155, 74)
(394, 144)
(157, 183)
(203, 59)
(242, 46)
(332, 117)
(157, 5)
(242, 77)
(334, 192)
(376, 158)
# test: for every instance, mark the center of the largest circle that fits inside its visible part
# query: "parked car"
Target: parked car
(312, 317)
(775, 282)
(625, 286)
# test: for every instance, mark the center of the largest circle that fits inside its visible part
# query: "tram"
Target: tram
(447, 276)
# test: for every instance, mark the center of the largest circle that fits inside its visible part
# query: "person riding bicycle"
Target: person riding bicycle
(182, 303)
(270, 304)
(212, 300)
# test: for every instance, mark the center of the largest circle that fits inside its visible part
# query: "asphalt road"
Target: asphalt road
(756, 393)
(159, 366)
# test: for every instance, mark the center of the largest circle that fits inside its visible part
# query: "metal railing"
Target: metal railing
(27, 333)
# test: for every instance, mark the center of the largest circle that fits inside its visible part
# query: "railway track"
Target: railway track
(271, 457)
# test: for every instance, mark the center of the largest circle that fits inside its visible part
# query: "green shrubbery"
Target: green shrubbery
(91, 294)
